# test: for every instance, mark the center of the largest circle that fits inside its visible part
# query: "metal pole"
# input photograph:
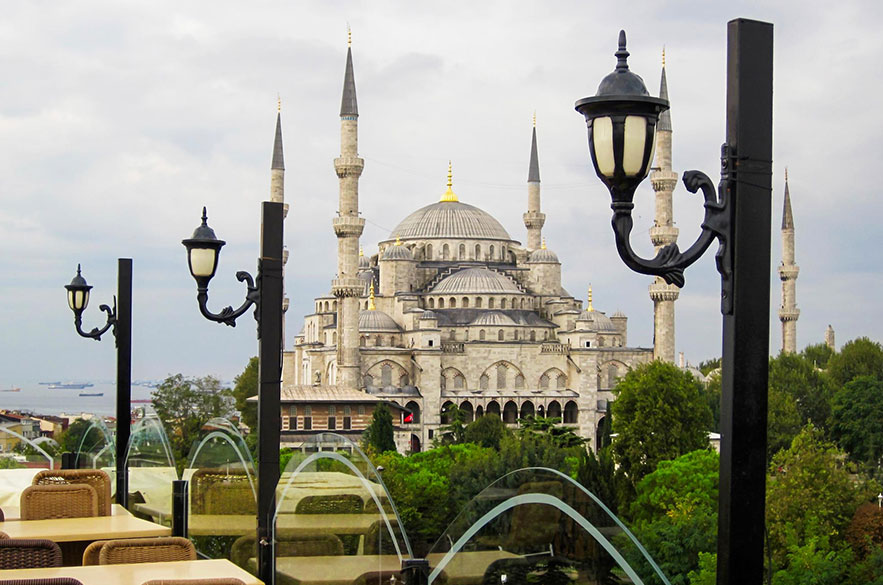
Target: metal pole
(123, 331)
(746, 330)
(269, 381)
(180, 507)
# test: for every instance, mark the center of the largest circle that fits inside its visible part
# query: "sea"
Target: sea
(39, 399)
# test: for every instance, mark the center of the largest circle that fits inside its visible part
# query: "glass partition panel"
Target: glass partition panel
(223, 491)
(96, 449)
(21, 457)
(151, 467)
(334, 518)
(537, 525)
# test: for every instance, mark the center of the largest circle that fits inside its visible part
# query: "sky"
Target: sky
(120, 121)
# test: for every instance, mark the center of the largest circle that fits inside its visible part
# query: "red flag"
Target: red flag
(409, 418)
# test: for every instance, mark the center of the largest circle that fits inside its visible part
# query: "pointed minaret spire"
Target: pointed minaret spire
(277, 184)
(534, 218)
(589, 307)
(665, 117)
(278, 157)
(788, 271)
(348, 104)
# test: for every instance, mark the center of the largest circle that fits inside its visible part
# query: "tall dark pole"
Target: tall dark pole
(746, 329)
(123, 332)
(269, 380)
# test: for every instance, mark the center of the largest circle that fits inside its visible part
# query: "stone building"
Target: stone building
(788, 271)
(452, 310)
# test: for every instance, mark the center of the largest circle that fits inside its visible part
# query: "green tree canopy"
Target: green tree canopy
(857, 421)
(184, 405)
(486, 431)
(810, 391)
(660, 413)
(817, 354)
(245, 385)
(378, 437)
(859, 357)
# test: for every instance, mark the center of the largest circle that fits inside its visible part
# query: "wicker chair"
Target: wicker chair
(42, 581)
(91, 556)
(41, 502)
(3, 535)
(206, 581)
(146, 550)
(216, 491)
(289, 543)
(94, 477)
(332, 504)
(378, 540)
(2, 517)
(26, 553)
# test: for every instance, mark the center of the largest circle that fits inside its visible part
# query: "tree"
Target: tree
(379, 434)
(783, 421)
(184, 405)
(811, 392)
(562, 437)
(454, 431)
(859, 357)
(245, 385)
(70, 439)
(817, 354)
(660, 413)
(857, 421)
(708, 366)
(486, 431)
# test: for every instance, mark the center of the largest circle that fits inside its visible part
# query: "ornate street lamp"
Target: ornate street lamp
(203, 251)
(621, 120)
(119, 320)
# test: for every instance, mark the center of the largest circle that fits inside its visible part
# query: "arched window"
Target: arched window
(501, 376)
(510, 413)
(466, 409)
(519, 382)
(612, 375)
(334, 306)
(490, 252)
(461, 252)
(481, 334)
(415, 411)
(561, 382)
(493, 407)
(334, 337)
(533, 335)
(441, 303)
(446, 251)
(377, 341)
(431, 303)
(464, 302)
(482, 382)
(446, 409)
(459, 381)
(478, 302)
(553, 410)
(369, 380)
(500, 335)
(429, 251)
(362, 341)
(527, 409)
(453, 303)
(479, 411)
(571, 413)
(443, 382)
(490, 303)
(544, 382)
(503, 303)
(477, 252)
(386, 375)
(403, 381)
(515, 334)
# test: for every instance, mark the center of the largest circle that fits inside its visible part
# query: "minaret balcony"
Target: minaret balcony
(788, 272)
(659, 291)
(534, 219)
(789, 314)
(663, 180)
(348, 226)
(347, 166)
(663, 235)
(347, 287)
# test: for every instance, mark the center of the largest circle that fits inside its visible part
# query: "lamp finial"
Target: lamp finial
(204, 216)
(621, 54)
(371, 305)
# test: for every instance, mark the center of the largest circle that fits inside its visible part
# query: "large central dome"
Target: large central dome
(450, 219)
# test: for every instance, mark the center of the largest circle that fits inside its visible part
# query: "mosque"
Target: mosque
(454, 311)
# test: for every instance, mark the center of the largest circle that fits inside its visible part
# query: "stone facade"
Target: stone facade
(453, 311)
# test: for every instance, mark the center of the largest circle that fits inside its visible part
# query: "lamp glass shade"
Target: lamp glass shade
(203, 261)
(634, 139)
(602, 138)
(77, 300)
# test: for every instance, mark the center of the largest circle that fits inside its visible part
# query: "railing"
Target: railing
(562, 348)
(453, 347)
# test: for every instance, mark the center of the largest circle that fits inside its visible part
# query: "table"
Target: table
(14, 512)
(465, 568)
(136, 574)
(230, 524)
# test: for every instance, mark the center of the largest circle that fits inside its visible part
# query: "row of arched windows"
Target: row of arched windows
(462, 252)
(454, 379)
(479, 302)
(511, 412)
(326, 306)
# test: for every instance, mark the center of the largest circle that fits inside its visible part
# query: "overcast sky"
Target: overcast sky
(119, 121)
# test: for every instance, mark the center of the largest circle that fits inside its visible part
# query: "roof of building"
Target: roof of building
(397, 252)
(524, 317)
(533, 172)
(348, 105)
(476, 280)
(493, 318)
(373, 320)
(450, 219)
(596, 321)
(543, 255)
(337, 394)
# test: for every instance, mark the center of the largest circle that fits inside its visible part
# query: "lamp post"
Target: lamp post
(203, 251)
(621, 122)
(119, 320)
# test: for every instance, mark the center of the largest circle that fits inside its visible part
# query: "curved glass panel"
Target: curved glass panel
(151, 467)
(223, 491)
(537, 525)
(21, 457)
(334, 516)
(97, 450)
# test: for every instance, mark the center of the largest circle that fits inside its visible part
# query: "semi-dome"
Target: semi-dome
(374, 320)
(493, 318)
(543, 255)
(397, 252)
(596, 321)
(364, 262)
(450, 219)
(476, 281)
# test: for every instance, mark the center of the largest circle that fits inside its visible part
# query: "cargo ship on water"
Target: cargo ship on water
(67, 385)
(11, 389)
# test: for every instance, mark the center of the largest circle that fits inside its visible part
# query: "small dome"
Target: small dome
(376, 321)
(618, 315)
(493, 318)
(596, 321)
(397, 252)
(476, 281)
(428, 315)
(543, 255)
(364, 262)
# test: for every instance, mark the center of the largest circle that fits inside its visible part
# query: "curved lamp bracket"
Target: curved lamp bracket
(669, 263)
(96, 333)
(228, 315)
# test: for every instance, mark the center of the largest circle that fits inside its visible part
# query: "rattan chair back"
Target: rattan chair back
(42, 581)
(206, 581)
(94, 477)
(41, 502)
(3, 535)
(27, 553)
(289, 543)
(146, 550)
(92, 552)
(217, 491)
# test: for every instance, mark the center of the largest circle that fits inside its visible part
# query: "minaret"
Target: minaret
(348, 227)
(788, 270)
(534, 219)
(829, 337)
(277, 186)
(663, 233)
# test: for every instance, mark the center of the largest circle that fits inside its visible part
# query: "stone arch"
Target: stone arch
(478, 251)
(499, 371)
(331, 373)
(490, 252)
(553, 410)
(429, 251)
(527, 409)
(571, 413)
(493, 407)
(500, 335)
(387, 373)
(551, 376)
(453, 378)
(477, 302)
(415, 410)
(541, 410)
(503, 303)
(464, 302)
(441, 303)
(490, 303)
(333, 305)
(368, 380)
(446, 252)
(452, 303)
(446, 412)
(481, 334)
(601, 436)
(468, 411)
(431, 303)
(461, 252)
(510, 413)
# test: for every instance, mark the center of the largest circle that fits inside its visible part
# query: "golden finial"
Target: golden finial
(590, 308)
(349, 36)
(371, 305)
(534, 118)
(361, 251)
(449, 195)
(543, 245)
(663, 55)
(398, 241)
(278, 103)
(786, 174)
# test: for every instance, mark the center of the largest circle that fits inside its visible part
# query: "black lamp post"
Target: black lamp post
(203, 250)
(621, 121)
(119, 319)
